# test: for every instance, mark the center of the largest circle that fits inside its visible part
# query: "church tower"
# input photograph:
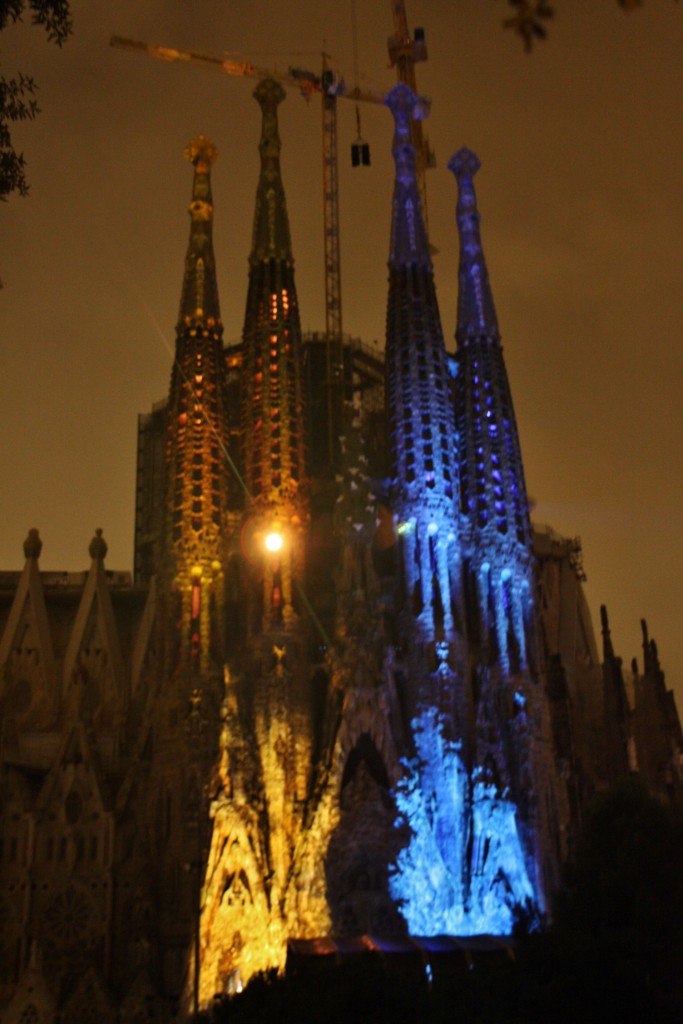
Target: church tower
(272, 405)
(421, 423)
(262, 775)
(471, 798)
(510, 702)
(196, 466)
(493, 498)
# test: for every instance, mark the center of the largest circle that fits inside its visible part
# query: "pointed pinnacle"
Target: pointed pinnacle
(464, 163)
(270, 238)
(654, 653)
(33, 545)
(409, 244)
(97, 548)
(401, 101)
(269, 94)
(608, 650)
(203, 155)
(476, 311)
(647, 653)
(199, 298)
(201, 151)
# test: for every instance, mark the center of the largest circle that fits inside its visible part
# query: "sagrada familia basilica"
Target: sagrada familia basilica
(350, 690)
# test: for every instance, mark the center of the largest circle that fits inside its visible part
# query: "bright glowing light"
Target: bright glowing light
(463, 871)
(273, 542)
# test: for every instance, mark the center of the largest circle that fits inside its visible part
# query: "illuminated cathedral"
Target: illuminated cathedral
(350, 693)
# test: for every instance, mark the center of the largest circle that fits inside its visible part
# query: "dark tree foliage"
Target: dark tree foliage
(530, 17)
(17, 95)
(372, 989)
(620, 918)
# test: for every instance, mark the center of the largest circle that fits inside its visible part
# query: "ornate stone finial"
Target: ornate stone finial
(608, 651)
(201, 151)
(98, 547)
(409, 243)
(271, 237)
(199, 298)
(203, 154)
(476, 311)
(464, 163)
(269, 94)
(33, 545)
(401, 101)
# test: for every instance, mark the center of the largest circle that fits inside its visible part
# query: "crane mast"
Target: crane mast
(333, 301)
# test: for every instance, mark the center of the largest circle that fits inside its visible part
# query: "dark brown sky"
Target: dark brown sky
(582, 217)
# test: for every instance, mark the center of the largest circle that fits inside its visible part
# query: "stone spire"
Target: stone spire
(196, 469)
(272, 392)
(409, 243)
(476, 312)
(492, 489)
(420, 413)
(493, 492)
(607, 648)
(272, 408)
(199, 299)
(33, 545)
(271, 238)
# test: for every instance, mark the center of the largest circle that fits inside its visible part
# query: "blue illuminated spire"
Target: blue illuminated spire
(422, 429)
(511, 713)
(409, 244)
(476, 312)
(492, 489)
(468, 795)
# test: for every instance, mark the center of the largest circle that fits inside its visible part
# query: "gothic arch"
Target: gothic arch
(363, 847)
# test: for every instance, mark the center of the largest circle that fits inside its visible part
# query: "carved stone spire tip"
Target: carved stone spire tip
(201, 151)
(464, 163)
(33, 545)
(401, 101)
(269, 93)
(98, 546)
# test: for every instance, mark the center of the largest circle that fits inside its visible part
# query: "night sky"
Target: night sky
(581, 198)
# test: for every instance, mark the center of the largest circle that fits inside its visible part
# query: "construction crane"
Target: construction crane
(405, 51)
(330, 87)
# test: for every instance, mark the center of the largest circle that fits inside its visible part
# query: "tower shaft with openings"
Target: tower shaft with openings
(272, 403)
(192, 558)
(421, 427)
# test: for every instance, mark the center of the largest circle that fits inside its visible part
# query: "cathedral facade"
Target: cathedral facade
(350, 690)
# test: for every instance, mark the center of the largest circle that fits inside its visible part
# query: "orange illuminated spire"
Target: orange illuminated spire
(196, 472)
(199, 300)
(271, 238)
(272, 385)
(272, 391)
